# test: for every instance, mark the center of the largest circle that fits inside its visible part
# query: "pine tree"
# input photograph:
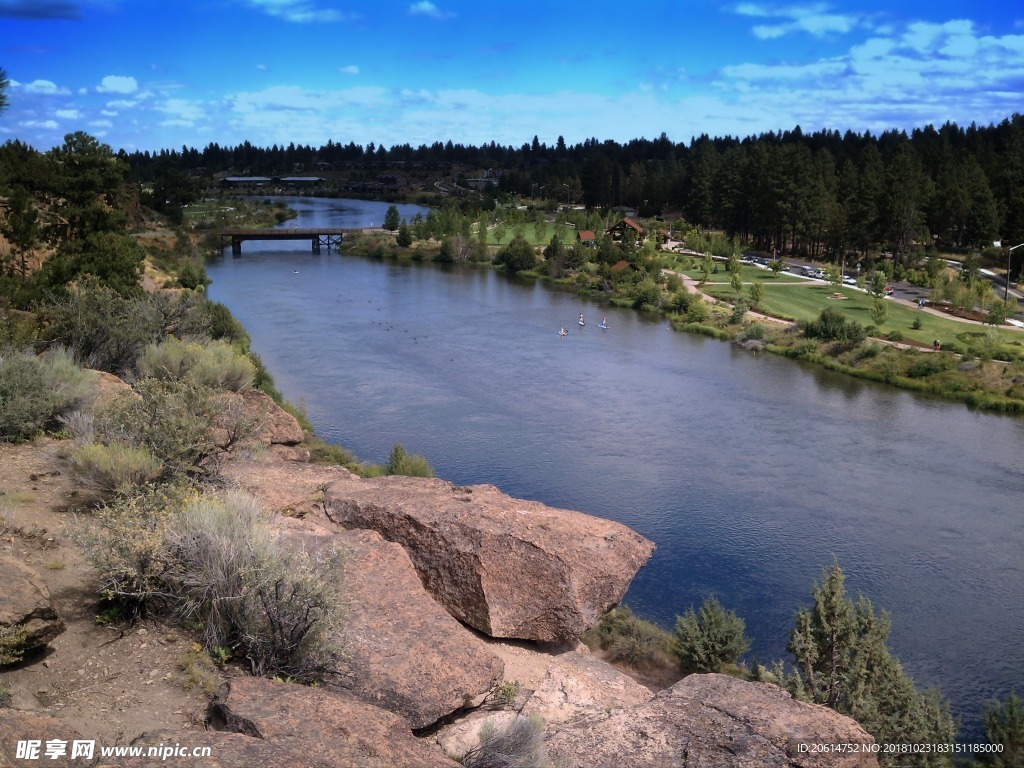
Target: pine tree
(1004, 726)
(842, 661)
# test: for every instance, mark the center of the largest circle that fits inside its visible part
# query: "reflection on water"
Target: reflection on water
(749, 472)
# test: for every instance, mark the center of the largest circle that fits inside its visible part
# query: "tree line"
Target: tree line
(822, 194)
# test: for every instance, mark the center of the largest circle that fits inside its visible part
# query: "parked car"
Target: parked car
(850, 280)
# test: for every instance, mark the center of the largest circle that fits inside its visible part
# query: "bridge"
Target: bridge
(318, 238)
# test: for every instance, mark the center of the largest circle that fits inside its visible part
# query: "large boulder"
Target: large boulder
(333, 728)
(507, 567)
(712, 721)
(28, 618)
(252, 417)
(402, 651)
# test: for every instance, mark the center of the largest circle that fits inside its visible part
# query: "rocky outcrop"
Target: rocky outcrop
(253, 417)
(715, 721)
(334, 729)
(28, 618)
(291, 489)
(16, 725)
(507, 567)
(402, 651)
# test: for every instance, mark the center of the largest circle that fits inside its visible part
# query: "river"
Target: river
(750, 472)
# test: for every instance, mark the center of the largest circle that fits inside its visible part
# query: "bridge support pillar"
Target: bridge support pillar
(236, 246)
(316, 245)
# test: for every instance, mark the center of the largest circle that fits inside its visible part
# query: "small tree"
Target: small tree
(404, 238)
(706, 267)
(708, 640)
(756, 291)
(391, 219)
(736, 281)
(879, 312)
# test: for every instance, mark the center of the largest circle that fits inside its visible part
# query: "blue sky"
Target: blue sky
(150, 74)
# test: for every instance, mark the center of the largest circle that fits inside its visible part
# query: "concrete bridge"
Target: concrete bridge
(318, 238)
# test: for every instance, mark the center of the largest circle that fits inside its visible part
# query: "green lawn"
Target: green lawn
(566, 234)
(803, 302)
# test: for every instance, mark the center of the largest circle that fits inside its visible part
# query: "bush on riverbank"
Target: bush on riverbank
(630, 640)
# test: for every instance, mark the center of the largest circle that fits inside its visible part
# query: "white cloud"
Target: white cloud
(750, 9)
(117, 84)
(45, 88)
(68, 114)
(101, 124)
(49, 125)
(121, 104)
(109, 113)
(427, 8)
(815, 20)
(189, 112)
(301, 11)
(351, 69)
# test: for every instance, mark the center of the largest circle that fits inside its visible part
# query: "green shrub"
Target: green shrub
(739, 309)
(631, 640)
(171, 419)
(832, 325)
(215, 365)
(402, 463)
(895, 336)
(12, 644)
(708, 640)
(223, 325)
(520, 744)
(103, 329)
(753, 331)
(928, 365)
(192, 276)
(35, 391)
(117, 467)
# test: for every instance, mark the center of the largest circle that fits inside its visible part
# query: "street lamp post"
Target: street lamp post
(1006, 290)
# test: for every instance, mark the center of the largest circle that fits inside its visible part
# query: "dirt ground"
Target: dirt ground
(108, 682)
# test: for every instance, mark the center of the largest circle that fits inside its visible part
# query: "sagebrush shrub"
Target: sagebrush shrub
(213, 562)
(520, 744)
(115, 467)
(215, 365)
(36, 390)
(272, 604)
